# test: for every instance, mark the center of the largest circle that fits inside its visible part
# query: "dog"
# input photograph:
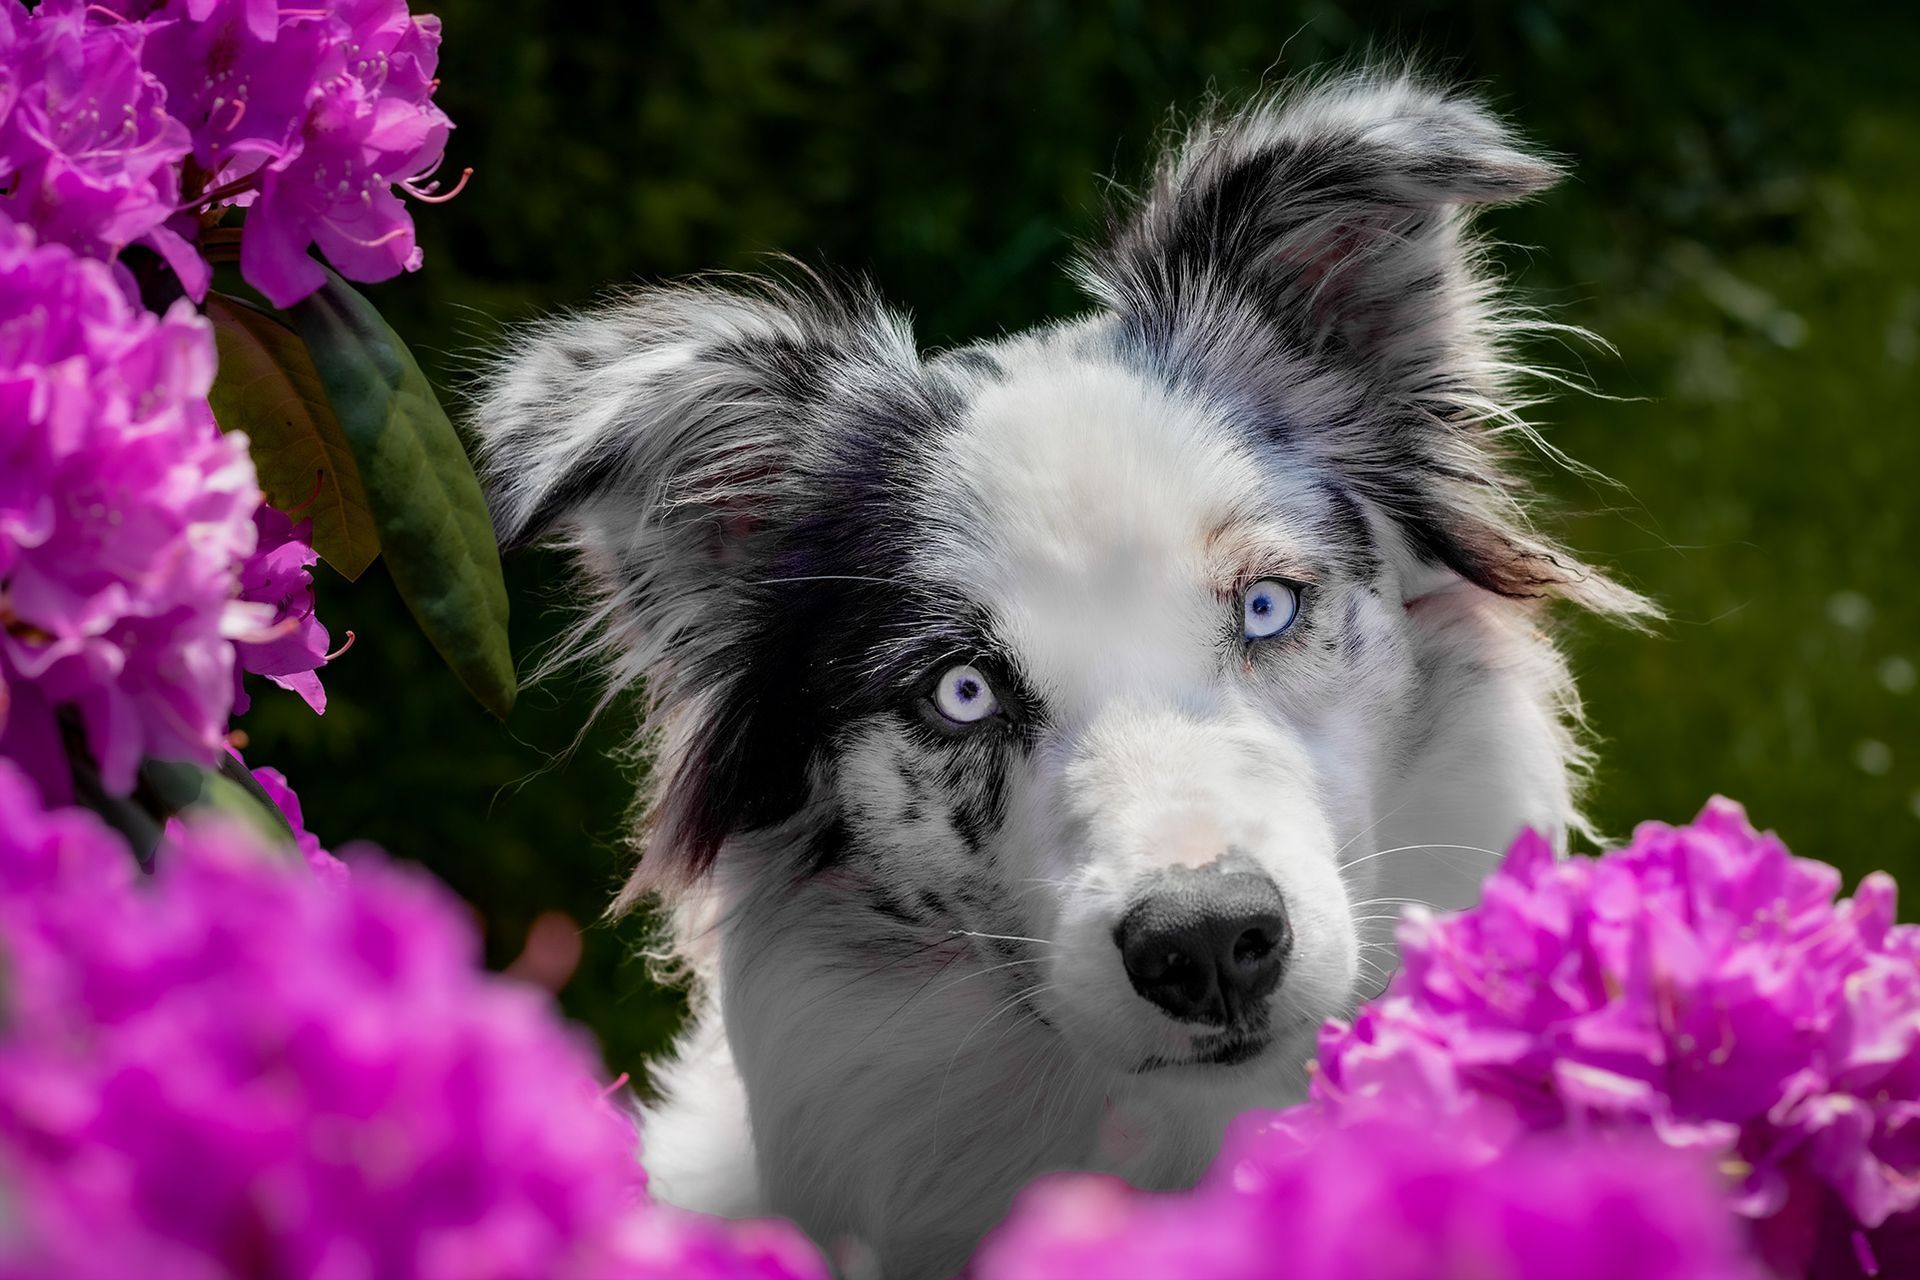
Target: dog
(1045, 733)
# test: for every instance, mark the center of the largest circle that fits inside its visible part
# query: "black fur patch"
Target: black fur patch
(976, 360)
(833, 628)
(1348, 531)
(588, 477)
(794, 370)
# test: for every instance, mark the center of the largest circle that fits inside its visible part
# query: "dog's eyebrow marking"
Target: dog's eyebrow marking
(1346, 520)
(1240, 550)
(1352, 635)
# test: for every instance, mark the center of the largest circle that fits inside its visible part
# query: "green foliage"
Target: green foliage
(268, 384)
(165, 789)
(230, 790)
(435, 534)
(1740, 226)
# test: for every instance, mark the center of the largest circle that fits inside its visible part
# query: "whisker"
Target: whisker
(1011, 1002)
(826, 577)
(874, 972)
(1369, 828)
(1000, 937)
(1414, 848)
(1058, 1109)
(917, 993)
(981, 973)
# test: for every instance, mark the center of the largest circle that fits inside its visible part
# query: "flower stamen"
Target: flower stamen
(431, 193)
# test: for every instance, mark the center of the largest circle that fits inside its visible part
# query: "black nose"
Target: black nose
(1207, 946)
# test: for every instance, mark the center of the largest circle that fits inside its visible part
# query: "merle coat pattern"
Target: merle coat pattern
(956, 664)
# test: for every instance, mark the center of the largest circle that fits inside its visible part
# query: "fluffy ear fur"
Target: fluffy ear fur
(666, 439)
(1307, 257)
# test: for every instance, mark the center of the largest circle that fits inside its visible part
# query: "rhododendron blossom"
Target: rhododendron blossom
(308, 117)
(123, 515)
(1703, 985)
(318, 860)
(290, 648)
(228, 1069)
(1384, 1201)
(89, 155)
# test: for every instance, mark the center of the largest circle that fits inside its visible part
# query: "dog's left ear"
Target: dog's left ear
(1307, 258)
(1333, 214)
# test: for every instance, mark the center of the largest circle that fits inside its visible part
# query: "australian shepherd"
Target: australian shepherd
(1045, 733)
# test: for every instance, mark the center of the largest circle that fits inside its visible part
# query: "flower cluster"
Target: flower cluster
(137, 123)
(309, 116)
(123, 512)
(128, 575)
(1384, 1201)
(667, 1244)
(232, 1068)
(229, 1070)
(1702, 985)
(89, 155)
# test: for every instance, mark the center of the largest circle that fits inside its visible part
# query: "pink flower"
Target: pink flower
(666, 1244)
(318, 860)
(88, 154)
(313, 120)
(366, 130)
(123, 516)
(1384, 1201)
(1703, 985)
(227, 1070)
(294, 645)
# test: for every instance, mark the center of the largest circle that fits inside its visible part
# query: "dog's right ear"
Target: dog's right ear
(670, 406)
(657, 436)
(660, 438)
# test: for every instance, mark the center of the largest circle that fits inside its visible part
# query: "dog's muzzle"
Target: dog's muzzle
(1207, 946)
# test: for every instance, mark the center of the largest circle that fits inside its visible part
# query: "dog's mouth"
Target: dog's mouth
(1226, 1051)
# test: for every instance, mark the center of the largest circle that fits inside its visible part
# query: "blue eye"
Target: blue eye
(964, 696)
(1268, 607)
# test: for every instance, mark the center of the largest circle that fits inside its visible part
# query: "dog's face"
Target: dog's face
(1143, 656)
(1085, 655)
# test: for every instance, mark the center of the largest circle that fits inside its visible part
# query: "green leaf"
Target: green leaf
(164, 788)
(434, 528)
(175, 787)
(134, 821)
(267, 387)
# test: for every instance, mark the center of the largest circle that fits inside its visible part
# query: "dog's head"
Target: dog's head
(1099, 649)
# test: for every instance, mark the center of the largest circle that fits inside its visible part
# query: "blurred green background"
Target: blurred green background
(1742, 225)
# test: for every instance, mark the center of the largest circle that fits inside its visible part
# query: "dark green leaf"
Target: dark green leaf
(434, 529)
(267, 387)
(135, 823)
(171, 785)
(232, 770)
(176, 787)
(166, 788)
